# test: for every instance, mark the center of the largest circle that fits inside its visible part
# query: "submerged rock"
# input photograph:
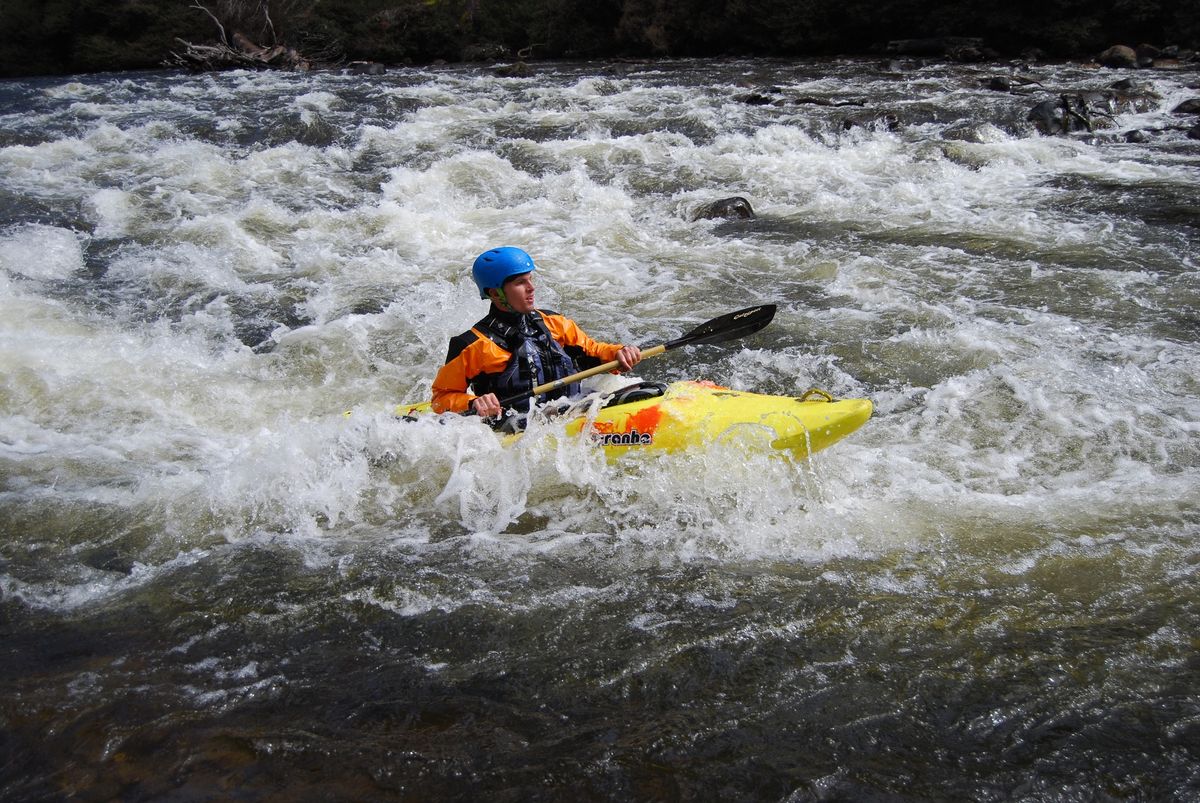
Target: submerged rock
(1119, 56)
(885, 120)
(955, 48)
(1088, 111)
(365, 68)
(518, 70)
(735, 208)
(976, 133)
(756, 99)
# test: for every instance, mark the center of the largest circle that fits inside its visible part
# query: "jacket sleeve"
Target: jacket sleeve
(470, 355)
(568, 333)
(450, 388)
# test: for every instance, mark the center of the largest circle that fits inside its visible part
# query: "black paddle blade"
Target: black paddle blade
(728, 327)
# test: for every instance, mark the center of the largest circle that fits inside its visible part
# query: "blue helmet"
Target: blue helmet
(492, 267)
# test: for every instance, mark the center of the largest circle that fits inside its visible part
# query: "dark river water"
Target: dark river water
(216, 585)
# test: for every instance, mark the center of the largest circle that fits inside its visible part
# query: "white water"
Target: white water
(200, 275)
(1021, 377)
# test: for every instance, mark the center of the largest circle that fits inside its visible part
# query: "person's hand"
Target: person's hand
(628, 357)
(487, 406)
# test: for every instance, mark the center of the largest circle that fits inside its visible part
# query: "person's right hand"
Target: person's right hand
(487, 406)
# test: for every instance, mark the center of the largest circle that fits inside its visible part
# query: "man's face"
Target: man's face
(518, 292)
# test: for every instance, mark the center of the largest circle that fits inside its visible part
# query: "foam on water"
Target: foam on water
(255, 290)
(40, 253)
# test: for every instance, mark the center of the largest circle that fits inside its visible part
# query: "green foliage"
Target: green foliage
(64, 36)
(136, 34)
(574, 28)
(57, 36)
(1184, 22)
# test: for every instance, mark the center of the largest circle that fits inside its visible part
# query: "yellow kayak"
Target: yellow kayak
(690, 415)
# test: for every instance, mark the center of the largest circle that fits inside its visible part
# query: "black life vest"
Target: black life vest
(537, 358)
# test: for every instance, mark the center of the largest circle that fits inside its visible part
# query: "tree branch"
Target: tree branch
(220, 27)
(266, 11)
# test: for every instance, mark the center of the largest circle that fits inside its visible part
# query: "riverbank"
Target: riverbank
(41, 37)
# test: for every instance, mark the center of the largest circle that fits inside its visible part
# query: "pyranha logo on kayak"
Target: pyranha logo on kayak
(630, 438)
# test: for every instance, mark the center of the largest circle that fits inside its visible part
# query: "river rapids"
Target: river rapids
(217, 584)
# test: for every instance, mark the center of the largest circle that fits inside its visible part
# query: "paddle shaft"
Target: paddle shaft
(653, 351)
(718, 330)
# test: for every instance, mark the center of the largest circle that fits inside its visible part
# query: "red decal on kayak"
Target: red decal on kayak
(638, 430)
(646, 420)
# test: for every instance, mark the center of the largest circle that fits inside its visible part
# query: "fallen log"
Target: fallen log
(248, 56)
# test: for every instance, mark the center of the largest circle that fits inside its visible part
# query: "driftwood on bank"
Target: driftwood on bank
(237, 51)
(244, 54)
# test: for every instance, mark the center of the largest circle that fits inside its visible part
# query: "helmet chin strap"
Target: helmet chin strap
(499, 299)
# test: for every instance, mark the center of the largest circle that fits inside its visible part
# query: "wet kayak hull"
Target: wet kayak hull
(693, 415)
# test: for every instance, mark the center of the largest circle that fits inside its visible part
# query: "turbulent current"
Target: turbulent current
(228, 571)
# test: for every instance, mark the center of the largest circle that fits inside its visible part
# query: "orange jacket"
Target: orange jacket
(473, 353)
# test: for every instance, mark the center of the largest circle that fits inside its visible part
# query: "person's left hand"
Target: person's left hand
(628, 357)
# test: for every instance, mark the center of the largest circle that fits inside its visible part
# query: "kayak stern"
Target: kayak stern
(692, 415)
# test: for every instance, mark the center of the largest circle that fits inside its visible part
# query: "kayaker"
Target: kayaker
(516, 347)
